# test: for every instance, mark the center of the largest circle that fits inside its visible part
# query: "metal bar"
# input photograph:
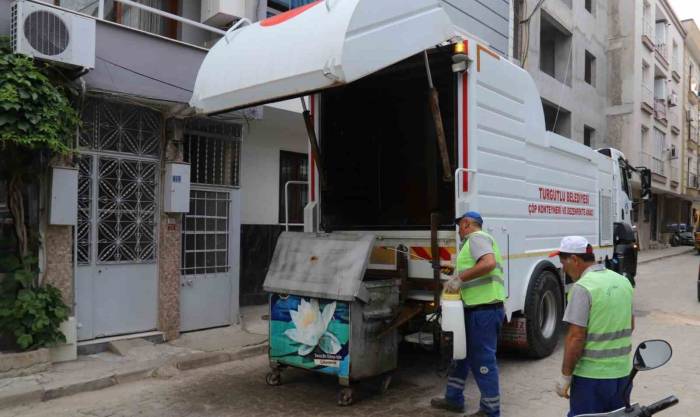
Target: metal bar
(171, 16)
(286, 201)
(457, 172)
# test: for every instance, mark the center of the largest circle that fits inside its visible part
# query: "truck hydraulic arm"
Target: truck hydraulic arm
(439, 128)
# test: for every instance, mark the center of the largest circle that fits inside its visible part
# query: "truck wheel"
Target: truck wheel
(544, 309)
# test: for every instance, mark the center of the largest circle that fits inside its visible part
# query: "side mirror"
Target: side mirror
(652, 354)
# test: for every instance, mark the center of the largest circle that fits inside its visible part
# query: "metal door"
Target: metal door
(116, 245)
(207, 274)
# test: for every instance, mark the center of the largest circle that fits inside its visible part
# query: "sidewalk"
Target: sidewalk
(651, 255)
(136, 359)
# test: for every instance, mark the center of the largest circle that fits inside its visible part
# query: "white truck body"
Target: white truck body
(531, 186)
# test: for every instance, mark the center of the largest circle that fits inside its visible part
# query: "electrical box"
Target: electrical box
(223, 12)
(176, 189)
(63, 210)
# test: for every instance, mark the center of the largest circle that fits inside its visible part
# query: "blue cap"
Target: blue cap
(474, 215)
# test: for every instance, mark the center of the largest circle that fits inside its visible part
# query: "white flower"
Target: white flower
(312, 328)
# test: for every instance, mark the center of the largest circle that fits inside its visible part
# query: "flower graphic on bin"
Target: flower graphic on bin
(311, 328)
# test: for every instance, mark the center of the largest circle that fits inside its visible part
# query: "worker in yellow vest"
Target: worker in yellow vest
(479, 280)
(597, 354)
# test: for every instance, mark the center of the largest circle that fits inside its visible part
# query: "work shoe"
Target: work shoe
(443, 404)
(478, 414)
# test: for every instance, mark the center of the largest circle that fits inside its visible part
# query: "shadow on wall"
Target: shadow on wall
(257, 246)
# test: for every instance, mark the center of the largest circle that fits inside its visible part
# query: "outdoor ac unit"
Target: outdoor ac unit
(223, 12)
(52, 34)
(672, 99)
(672, 153)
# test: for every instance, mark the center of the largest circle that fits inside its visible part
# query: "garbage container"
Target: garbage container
(325, 316)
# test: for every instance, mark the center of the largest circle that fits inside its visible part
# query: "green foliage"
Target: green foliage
(30, 313)
(34, 113)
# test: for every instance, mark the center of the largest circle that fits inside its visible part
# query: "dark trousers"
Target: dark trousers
(589, 395)
(483, 328)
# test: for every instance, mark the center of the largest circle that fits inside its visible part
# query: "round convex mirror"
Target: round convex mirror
(652, 354)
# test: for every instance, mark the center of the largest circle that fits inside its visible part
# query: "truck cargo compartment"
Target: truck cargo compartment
(379, 149)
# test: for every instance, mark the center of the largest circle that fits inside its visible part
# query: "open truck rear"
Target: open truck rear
(382, 207)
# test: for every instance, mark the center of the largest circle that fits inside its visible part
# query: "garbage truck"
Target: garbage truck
(411, 122)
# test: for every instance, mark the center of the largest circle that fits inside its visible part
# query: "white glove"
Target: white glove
(563, 385)
(453, 285)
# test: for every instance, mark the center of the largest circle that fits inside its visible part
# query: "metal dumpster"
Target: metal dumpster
(324, 316)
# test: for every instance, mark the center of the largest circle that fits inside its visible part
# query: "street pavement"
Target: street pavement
(666, 304)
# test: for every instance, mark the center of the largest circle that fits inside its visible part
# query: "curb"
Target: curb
(665, 257)
(32, 391)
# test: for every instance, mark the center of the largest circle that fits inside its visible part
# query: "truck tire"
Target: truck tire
(544, 309)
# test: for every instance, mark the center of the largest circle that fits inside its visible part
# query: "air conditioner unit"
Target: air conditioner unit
(224, 12)
(52, 34)
(672, 153)
(672, 99)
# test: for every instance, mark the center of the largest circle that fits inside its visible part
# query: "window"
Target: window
(293, 167)
(589, 5)
(213, 150)
(556, 48)
(589, 75)
(588, 135)
(557, 119)
(518, 47)
(145, 20)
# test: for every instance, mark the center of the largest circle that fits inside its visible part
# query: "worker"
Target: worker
(597, 354)
(479, 280)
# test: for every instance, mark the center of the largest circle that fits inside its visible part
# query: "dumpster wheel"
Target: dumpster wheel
(274, 378)
(345, 396)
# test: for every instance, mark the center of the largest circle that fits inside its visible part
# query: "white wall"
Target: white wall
(262, 142)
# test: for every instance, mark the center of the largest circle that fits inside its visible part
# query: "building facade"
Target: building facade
(563, 45)
(129, 266)
(645, 113)
(691, 117)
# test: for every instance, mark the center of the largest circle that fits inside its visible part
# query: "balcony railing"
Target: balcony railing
(662, 50)
(647, 95)
(675, 173)
(159, 17)
(648, 29)
(654, 162)
(660, 108)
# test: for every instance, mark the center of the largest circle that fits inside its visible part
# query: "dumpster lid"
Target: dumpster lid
(320, 265)
(322, 44)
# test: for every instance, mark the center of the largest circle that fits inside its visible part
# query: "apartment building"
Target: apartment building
(645, 112)
(563, 44)
(131, 265)
(691, 117)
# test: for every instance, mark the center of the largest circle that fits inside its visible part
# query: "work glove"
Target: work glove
(453, 285)
(563, 385)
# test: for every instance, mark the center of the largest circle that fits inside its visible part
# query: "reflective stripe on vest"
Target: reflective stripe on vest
(485, 289)
(606, 353)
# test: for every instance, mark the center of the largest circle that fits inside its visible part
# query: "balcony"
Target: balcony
(648, 35)
(660, 110)
(693, 180)
(662, 54)
(647, 99)
(674, 117)
(693, 134)
(165, 18)
(655, 163)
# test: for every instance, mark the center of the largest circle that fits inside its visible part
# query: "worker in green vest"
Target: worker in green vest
(479, 280)
(597, 354)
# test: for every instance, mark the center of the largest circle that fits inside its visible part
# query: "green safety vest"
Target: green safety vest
(606, 353)
(486, 289)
